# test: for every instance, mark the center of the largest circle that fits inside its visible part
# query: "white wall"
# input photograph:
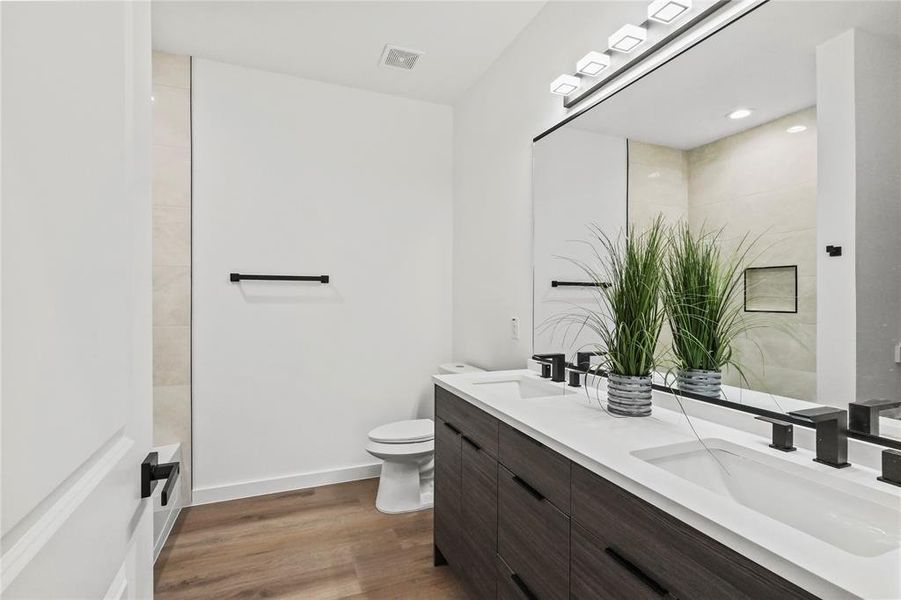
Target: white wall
(494, 124)
(878, 213)
(299, 177)
(859, 208)
(836, 168)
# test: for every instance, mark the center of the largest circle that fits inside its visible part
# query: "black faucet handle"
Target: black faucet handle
(583, 359)
(891, 467)
(783, 434)
(863, 415)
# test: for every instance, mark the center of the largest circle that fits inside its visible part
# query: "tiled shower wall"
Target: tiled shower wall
(172, 256)
(761, 181)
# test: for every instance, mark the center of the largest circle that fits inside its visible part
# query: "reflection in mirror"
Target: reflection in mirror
(579, 179)
(758, 184)
(783, 129)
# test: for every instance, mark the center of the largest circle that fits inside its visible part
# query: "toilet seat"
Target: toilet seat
(404, 432)
(383, 450)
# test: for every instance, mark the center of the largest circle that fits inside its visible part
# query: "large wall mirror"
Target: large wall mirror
(783, 129)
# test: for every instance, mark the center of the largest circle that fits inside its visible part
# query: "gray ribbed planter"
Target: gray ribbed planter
(700, 381)
(629, 396)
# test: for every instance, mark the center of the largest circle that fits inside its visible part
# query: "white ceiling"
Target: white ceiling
(765, 61)
(341, 42)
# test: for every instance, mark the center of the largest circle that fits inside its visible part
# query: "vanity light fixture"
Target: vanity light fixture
(668, 11)
(593, 63)
(740, 113)
(627, 38)
(565, 85)
(796, 129)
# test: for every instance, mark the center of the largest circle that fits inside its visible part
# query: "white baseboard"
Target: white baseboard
(247, 489)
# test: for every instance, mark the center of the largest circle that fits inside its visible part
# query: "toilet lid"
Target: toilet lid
(401, 432)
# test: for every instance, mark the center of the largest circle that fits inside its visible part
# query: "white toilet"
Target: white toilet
(407, 449)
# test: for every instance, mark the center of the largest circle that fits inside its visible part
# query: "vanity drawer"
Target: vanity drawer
(533, 537)
(472, 422)
(681, 559)
(542, 468)
(509, 585)
(599, 575)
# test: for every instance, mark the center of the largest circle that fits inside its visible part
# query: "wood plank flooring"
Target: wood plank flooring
(322, 543)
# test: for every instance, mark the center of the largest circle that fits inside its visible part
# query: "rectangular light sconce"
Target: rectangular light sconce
(565, 85)
(667, 11)
(593, 63)
(627, 38)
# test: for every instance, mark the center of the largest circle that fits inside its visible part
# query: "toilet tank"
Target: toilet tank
(456, 368)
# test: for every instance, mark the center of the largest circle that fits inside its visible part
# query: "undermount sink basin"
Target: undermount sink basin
(518, 388)
(856, 519)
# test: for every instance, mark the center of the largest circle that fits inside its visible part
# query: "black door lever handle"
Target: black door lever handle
(151, 472)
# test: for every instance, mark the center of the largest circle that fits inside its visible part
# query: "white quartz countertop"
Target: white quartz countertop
(576, 426)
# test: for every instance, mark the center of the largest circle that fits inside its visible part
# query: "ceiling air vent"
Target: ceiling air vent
(399, 58)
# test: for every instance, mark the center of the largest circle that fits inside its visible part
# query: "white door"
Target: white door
(76, 299)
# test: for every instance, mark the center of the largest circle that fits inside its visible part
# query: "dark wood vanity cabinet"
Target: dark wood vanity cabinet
(516, 520)
(466, 491)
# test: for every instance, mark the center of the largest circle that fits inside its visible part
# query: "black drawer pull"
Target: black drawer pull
(452, 428)
(472, 443)
(636, 570)
(532, 491)
(523, 587)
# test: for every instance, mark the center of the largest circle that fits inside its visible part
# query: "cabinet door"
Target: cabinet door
(479, 522)
(448, 462)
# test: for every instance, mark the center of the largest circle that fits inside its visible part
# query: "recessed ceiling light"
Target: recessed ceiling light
(796, 128)
(740, 113)
(593, 63)
(667, 11)
(627, 38)
(565, 85)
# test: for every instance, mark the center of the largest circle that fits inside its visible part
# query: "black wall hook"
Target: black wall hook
(834, 250)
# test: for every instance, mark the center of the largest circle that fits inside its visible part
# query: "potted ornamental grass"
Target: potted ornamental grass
(628, 315)
(702, 295)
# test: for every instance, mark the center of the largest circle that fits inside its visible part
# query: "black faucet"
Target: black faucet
(832, 434)
(864, 415)
(583, 359)
(582, 365)
(557, 363)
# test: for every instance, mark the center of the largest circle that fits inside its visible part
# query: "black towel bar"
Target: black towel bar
(556, 283)
(244, 276)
